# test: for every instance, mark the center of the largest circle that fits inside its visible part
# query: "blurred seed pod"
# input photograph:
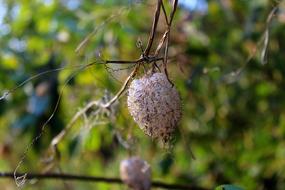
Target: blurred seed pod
(155, 105)
(136, 173)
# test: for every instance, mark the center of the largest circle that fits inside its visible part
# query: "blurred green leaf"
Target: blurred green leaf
(228, 187)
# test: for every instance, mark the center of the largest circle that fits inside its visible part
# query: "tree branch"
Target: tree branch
(95, 179)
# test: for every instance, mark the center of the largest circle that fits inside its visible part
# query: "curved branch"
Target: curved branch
(95, 179)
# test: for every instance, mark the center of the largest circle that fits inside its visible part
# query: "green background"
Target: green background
(233, 99)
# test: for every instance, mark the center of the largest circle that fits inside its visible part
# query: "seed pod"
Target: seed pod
(155, 105)
(136, 173)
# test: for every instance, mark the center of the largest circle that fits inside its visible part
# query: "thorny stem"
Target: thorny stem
(73, 177)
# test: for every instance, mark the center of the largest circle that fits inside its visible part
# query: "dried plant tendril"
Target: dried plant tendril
(5, 95)
(136, 173)
(155, 105)
(21, 180)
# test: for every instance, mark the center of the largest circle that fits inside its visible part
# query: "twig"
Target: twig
(100, 105)
(233, 76)
(123, 88)
(21, 179)
(146, 59)
(167, 34)
(84, 42)
(266, 35)
(58, 138)
(153, 29)
(175, 2)
(161, 42)
(62, 176)
(107, 105)
(165, 14)
(80, 67)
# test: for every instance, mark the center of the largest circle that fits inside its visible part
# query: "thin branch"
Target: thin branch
(233, 76)
(62, 176)
(21, 179)
(80, 67)
(145, 59)
(8, 92)
(168, 30)
(166, 49)
(108, 104)
(161, 42)
(153, 30)
(175, 2)
(99, 104)
(58, 138)
(121, 61)
(266, 35)
(167, 36)
(165, 14)
(86, 40)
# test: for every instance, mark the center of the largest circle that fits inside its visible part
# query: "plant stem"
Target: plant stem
(95, 179)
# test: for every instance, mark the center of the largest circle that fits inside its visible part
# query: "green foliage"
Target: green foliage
(228, 187)
(233, 103)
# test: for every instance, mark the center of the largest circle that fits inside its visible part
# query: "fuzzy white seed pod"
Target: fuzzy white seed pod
(136, 173)
(155, 105)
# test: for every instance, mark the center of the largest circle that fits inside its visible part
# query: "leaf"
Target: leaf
(228, 187)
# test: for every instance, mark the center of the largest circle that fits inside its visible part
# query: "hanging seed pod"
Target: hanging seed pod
(136, 173)
(155, 105)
